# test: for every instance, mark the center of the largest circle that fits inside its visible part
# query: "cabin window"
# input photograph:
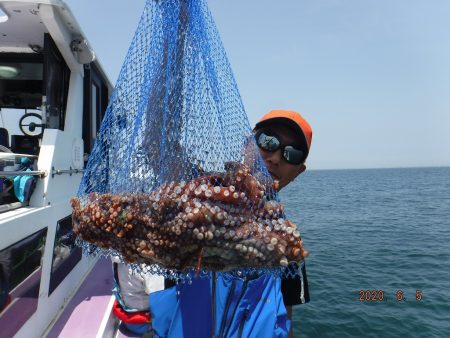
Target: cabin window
(21, 78)
(95, 103)
(21, 126)
(33, 96)
(95, 112)
(20, 279)
(65, 253)
(56, 85)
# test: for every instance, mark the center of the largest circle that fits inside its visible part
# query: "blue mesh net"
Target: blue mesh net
(175, 179)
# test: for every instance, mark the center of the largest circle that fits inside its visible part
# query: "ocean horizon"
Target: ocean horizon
(379, 251)
(381, 168)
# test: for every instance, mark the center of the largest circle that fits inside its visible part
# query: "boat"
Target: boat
(53, 94)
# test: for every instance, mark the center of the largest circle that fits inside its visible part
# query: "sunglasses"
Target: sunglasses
(291, 153)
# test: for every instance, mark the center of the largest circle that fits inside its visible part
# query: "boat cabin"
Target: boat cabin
(53, 94)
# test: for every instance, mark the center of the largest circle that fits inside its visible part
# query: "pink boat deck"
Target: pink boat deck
(84, 313)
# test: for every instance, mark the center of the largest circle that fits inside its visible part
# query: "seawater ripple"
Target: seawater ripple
(374, 229)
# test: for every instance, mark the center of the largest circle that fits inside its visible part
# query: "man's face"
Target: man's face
(278, 167)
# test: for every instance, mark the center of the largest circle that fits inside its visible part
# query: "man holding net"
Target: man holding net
(284, 139)
(244, 307)
(167, 185)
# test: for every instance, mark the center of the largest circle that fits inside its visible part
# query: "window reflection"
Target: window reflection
(20, 277)
(65, 254)
(20, 84)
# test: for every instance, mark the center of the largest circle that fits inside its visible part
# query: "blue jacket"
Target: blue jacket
(241, 307)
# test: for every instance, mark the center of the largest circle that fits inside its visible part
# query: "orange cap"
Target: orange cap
(293, 119)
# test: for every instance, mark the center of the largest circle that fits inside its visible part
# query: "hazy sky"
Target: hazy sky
(371, 76)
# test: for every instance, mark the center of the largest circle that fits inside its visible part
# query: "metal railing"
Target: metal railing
(40, 173)
(9, 160)
(69, 171)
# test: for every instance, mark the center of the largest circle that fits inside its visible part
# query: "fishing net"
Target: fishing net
(175, 180)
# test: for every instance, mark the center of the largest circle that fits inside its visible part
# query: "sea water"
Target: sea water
(380, 252)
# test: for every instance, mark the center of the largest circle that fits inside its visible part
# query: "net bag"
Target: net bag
(175, 179)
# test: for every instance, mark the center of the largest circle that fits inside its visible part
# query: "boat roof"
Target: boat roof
(24, 23)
